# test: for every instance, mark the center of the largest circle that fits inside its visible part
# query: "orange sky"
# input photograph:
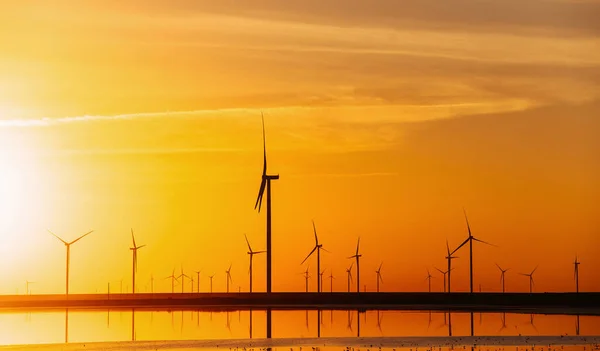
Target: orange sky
(383, 121)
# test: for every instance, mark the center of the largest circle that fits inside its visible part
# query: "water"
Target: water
(85, 326)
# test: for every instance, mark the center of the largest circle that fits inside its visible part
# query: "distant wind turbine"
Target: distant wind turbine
(68, 246)
(134, 251)
(228, 277)
(470, 240)
(198, 278)
(211, 282)
(349, 272)
(378, 276)
(357, 256)
(331, 278)
(183, 276)
(530, 275)
(251, 254)
(27, 291)
(429, 276)
(444, 274)
(321, 277)
(576, 274)
(306, 277)
(318, 247)
(502, 278)
(449, 259)
(173, 279)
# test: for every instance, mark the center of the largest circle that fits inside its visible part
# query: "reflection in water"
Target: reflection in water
(88, 326)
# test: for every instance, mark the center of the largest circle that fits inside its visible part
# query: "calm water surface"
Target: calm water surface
(76, 326)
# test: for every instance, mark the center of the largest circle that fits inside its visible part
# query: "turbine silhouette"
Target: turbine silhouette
(173, 279)
(306, 277)
(211, 282)
(349, 272)
(228, 278)
(68, 246)
(251, 254)
(502, 278)
(183, 276)
(357, 256)
(530, 275)
(378, 277)
(576, 274)
(198, 279)
(318, 247)
(449, 259)
(331, 278)
(470, 240)
(134, 251)
(444, 274)
(429, 276)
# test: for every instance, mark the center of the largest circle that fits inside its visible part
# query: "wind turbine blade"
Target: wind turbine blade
(139, 247)
(441, 271)
(467, 219)
(351, 265)
(536, 267)
(484, 242)
(261, 191)
(247, 242)
(461, 245)
(357, 245)
(57, 237)
(132, 237)
(500, 268)
(315, 231)
(81, 237)
(380, 278)
(324, 249)
(381, 264)
(448, 247)
(313, 250)
(258, 252)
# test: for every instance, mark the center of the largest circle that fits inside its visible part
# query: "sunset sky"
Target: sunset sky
(384, 118)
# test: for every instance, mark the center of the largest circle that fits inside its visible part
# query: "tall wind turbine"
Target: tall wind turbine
(357, 256)
(576, 274)
(530, 275)
(502, 279)
(444, 274)
(429, 276)
(68, 246)
(27, 291)
(251, 254)
(134, 250)
(183, 276)
(470, 240)
(173, 279)
(349, 272)
(228, 278)
(265, 184)
(331, 278)
(318, 247)
(378, 277)
(449, 259)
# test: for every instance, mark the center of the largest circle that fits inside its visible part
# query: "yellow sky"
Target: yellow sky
(382, 120)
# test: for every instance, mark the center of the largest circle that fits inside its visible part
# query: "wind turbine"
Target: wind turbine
(331, 278)
(211, 281)
(449, 259)
(502, 279)
(318, 247)
(265, 184)
(173, 279)
(134, 250)
(198, 278)
(357, 256)
(68, 245)
(228, 278)
(27, 282)
(321, 277)
(306, 277)
(349, 272)
(183, 276)
(251, 254)
(378, 277)
(429, 276)
(576, 274)
(470, 241)
(444, 274)
(530, 275)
